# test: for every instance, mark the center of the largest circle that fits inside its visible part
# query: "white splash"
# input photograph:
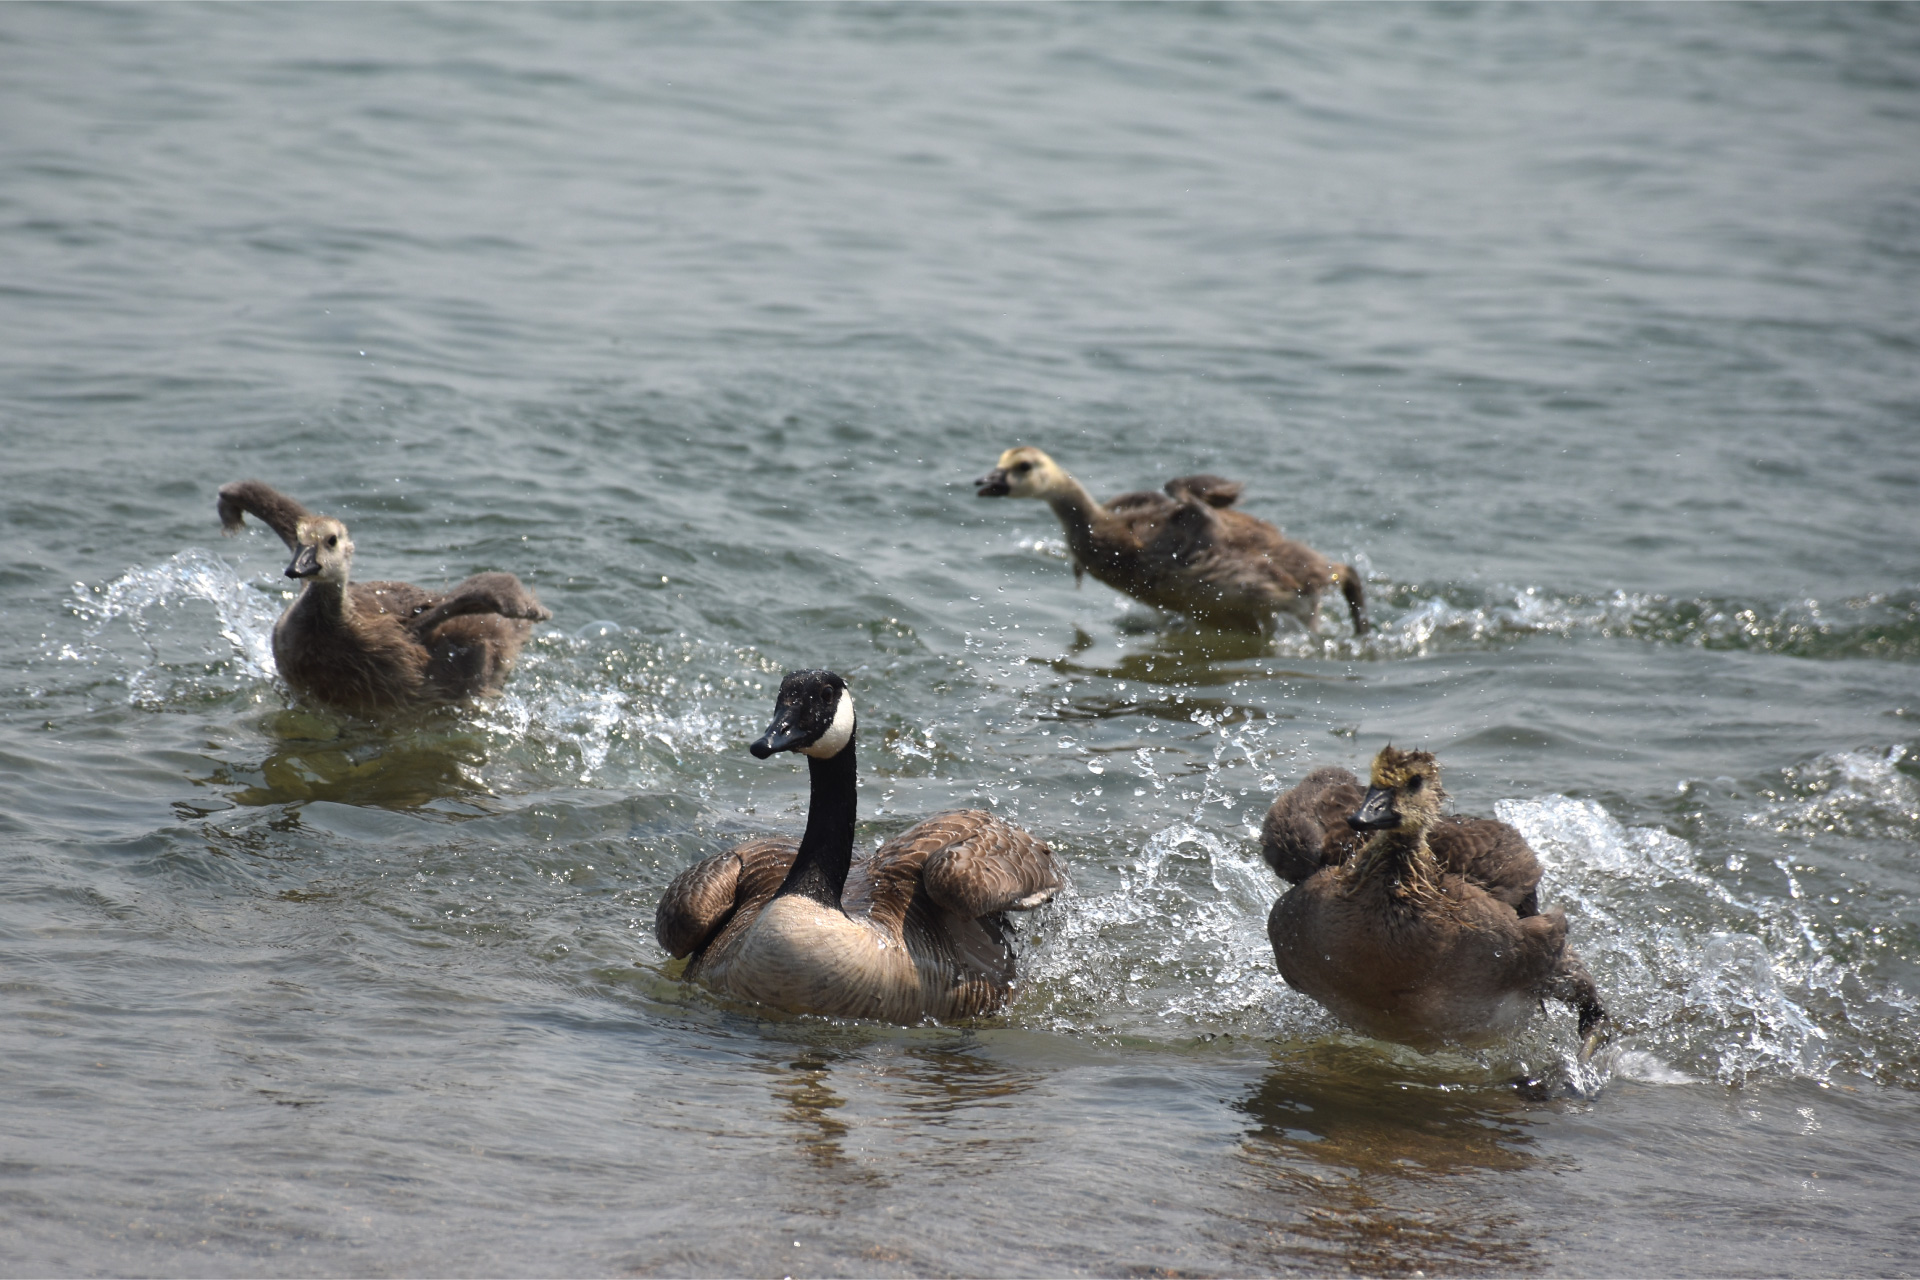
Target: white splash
(155, 607)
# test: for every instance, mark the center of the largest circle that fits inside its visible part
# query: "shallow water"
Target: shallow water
(1588, 333)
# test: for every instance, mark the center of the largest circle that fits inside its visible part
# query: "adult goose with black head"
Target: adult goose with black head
(914, 930)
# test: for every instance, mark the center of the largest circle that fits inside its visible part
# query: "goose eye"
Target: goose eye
(334, 540)
(1416, 782)
(1021, 468)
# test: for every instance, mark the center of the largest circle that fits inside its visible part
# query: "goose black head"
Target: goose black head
(1022, 472)
(324, 553)
(813, 715)
(1405, 794)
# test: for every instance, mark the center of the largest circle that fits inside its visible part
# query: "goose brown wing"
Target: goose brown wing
(1306, 829)
(1491, 854)
(970, 863)
(704, 897)
(264, 503)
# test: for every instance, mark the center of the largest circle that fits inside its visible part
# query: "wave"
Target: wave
(1704, 981)
(1414, 619)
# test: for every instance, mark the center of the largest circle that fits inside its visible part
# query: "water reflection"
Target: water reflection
(401, 765)
(810, 1110)
(1383, 1166)
(861, 1102)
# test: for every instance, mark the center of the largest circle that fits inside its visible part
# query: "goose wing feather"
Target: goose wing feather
(707, 895)
(1489, 853)
(398, 600)
(989, 866)
(970, 863)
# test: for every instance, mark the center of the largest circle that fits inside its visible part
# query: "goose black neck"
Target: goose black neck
(826, 850)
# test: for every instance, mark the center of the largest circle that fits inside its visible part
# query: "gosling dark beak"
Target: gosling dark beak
(306, 562)
(1376, 811)
(993, 485)
(781, 735)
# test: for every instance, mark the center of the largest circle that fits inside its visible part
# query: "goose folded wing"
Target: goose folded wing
(264, 503)
(701, 899)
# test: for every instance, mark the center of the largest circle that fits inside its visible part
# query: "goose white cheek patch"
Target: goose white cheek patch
(838, 734)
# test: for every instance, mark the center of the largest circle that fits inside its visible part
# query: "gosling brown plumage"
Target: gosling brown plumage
(372, 647)
(1187, 550)
(1402, 942)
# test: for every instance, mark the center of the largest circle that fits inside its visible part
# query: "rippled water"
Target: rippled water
(1587, 333)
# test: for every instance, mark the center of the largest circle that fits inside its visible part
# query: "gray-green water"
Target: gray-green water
(1590, 333)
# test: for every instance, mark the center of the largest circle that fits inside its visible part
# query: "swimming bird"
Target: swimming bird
(372, 647)
(1187, 550)
(916, 929)
(1428, 932)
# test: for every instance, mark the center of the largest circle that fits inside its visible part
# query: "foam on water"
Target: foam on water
(1725, 982)
(1853, 793)
(1178, 948)
(627, 709)
(1414, 619)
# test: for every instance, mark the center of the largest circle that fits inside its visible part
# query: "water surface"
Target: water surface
(1588, 333)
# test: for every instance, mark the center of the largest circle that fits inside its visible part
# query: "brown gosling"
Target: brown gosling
(916, 929)
(368, 648)
(1187, 550)
(1405, 944)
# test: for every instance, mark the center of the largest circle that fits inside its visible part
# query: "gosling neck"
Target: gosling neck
(328, 601)
(826, 849)
(1078, 513)
(1402, 861)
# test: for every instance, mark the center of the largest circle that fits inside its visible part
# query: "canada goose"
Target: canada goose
(1407, 944)
(914, 930)
(370, 647)
(1186, 550)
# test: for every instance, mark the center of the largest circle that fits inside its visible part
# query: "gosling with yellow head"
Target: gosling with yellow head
(1186, 550)
(1404, 944)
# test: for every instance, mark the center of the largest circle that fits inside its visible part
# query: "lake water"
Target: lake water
(1589, 333)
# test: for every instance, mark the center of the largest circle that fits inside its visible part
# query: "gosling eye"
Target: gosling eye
(1416, 782)
(1021, 468)
(333, 540)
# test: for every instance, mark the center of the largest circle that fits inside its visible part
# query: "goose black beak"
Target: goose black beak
(306, 562)
(780, 736)
(1376, 812)
(993, 485)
